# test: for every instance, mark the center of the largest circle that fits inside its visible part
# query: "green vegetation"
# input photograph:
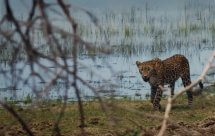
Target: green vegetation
(116, 121)
(130, 29)
(28, 99)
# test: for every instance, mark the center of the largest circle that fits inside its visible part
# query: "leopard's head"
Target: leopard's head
(147, 69)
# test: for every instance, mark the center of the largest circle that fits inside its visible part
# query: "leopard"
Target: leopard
(159, 72)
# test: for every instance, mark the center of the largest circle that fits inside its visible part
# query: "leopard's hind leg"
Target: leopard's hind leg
(172, 87)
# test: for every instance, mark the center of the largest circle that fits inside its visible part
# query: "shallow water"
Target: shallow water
(125, 75)
(132, 35)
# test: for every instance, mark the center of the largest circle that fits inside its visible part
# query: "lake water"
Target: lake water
(125, 74)
(133, 35)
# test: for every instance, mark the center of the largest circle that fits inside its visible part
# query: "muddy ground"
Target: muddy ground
(122, 117)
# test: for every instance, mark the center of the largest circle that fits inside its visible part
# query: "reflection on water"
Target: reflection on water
(138, 32)
(125, 74)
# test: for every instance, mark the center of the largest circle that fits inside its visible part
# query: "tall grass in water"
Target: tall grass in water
(131, 32)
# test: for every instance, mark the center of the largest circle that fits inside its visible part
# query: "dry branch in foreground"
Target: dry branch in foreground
(181, 91)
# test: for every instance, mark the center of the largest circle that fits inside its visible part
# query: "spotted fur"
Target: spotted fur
(160, 72)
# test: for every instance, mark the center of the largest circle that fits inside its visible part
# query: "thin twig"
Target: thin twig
(16, 116)
(181, 91)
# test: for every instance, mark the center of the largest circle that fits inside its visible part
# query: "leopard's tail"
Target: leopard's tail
(201, 85)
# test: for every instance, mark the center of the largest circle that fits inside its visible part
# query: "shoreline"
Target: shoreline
(129, 117)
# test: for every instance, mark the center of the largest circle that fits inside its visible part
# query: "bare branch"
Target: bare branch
(181, 91)
(16, 116)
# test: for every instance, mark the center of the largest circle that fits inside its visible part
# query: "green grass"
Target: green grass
(125, 28)
(120, 121)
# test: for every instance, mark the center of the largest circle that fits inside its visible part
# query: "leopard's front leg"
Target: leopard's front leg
(158, 95)
(153, 93)
(156, 91)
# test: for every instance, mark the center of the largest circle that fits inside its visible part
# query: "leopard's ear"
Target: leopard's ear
(158, 63)
(138, 63)
(158, 66)
(157, 59)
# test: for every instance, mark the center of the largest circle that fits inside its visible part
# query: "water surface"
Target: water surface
(133, 30)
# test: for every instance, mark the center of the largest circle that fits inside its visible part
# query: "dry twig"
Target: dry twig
(181, 91)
